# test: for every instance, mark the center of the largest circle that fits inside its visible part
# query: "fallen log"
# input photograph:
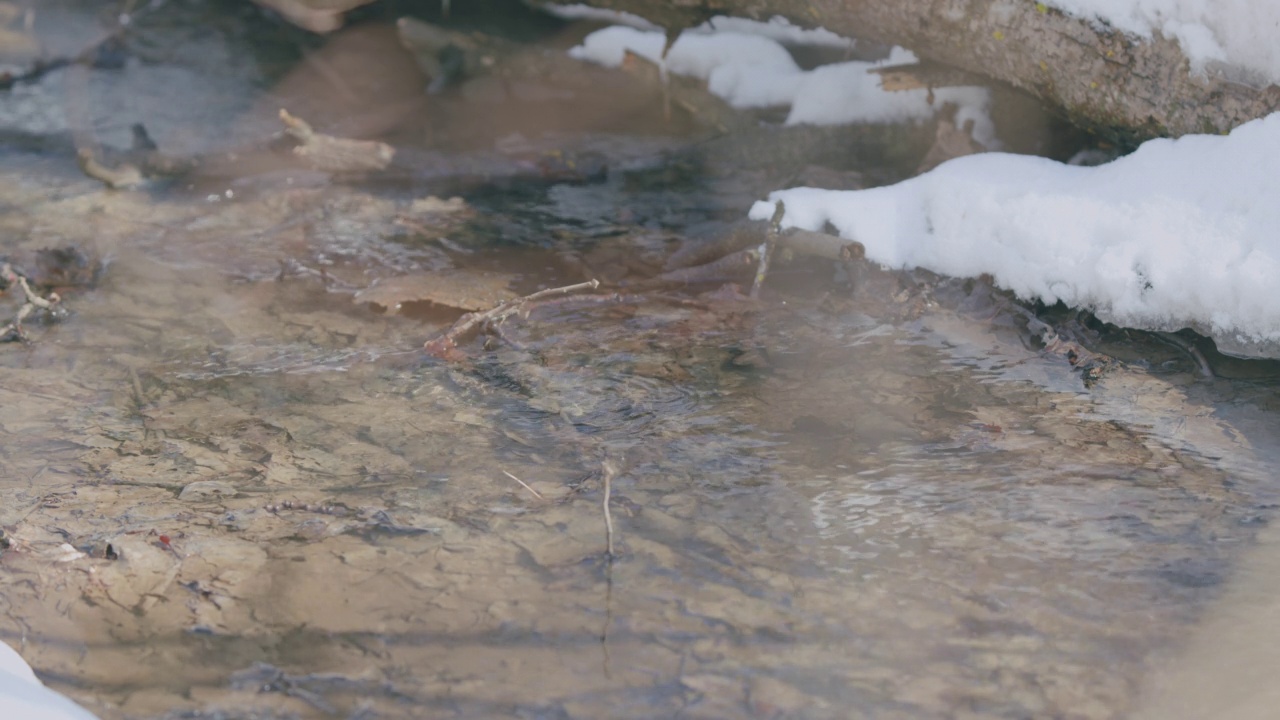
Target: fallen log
(1124, 87)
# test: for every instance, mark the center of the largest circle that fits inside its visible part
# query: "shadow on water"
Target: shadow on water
(232, 487)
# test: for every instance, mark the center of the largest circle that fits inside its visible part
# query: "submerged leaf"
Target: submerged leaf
(461, 289)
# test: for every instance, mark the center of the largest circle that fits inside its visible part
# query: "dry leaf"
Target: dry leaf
(462, 289)
(319, 16)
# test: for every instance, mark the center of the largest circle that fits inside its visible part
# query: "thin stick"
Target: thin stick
(31, 302)
(609, 471)
(443, 345)
(766, 247)
(1191, 351)
(673, 34)
(523, 484)
(730, 266)
(588, 285)
(139, 396)
(122, 177)
(335, 154)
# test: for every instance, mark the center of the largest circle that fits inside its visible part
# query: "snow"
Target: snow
(1233, 35)
(23, 696)
(777, 28)
(1178, 234)
(1182, 233)
(578, 11)
(756, 71)
(1241, 34)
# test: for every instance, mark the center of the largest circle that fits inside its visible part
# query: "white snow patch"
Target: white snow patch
(1180, 233)
(587, 12)
(23, 696)
(1239, 33)
(752, 71)
(777, 28)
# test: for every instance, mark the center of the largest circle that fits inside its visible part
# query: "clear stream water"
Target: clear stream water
(230, 491)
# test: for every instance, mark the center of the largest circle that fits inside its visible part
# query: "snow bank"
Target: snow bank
(1239, 33)
(1180, 233)
(23, 697)
(753, 71)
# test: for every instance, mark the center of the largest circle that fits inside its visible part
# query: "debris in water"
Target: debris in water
(334, 154)
(460, 289)
(32, 301)
(122, 177)
(445, 345)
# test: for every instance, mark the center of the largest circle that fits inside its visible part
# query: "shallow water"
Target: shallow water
(889, 505)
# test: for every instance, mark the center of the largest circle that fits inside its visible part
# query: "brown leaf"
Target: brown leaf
(461, 289)
(319, 16)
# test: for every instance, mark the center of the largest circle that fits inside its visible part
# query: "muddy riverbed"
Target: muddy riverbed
(233, 485)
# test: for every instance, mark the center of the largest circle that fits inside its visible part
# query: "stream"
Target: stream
(233, 486)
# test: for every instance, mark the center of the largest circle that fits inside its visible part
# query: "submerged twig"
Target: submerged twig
(1092, 365)
(99, 53)
(32, 301)
(523, 484)
(609, 470)
(767, 247)
(1190, 350)
(121, 177)
(729, 267)
(35, 72)
(447, 342)
(335, 154)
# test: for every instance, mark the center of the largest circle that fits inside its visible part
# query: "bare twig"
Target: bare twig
(523, 484)
(334, 154)
(767, 247)
(120, 177)
(729, 267)
(447, 342)
(32, 301)
(610, 471)
(1191, 351)
(90, 56)
(140, 396)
